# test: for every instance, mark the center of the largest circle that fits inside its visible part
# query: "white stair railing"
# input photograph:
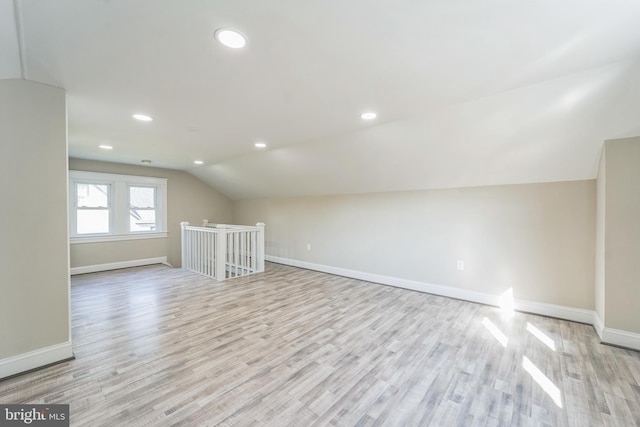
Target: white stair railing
(223, 251)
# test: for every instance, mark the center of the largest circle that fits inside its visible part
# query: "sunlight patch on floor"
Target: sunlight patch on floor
(547, 385)
(544, 338)
(495, 331)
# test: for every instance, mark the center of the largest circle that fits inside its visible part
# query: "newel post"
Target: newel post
(184, 262)
(261, 251)
(221, 252)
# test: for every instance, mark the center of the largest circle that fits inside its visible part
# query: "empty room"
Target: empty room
(304, 213)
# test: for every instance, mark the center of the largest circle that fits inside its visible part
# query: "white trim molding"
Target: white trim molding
(544, 309)
(620, 338)
(118, 265)
(598, 324)
(552, 310)
(117, 237)
(615, 336)
(118, 206)
(35, 359)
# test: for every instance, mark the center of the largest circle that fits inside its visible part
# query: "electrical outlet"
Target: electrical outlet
(460, 265)
(308, 246)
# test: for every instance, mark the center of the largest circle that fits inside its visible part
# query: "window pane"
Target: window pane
(142, 220)
(92, 221)
(93, 195)
(142, 197)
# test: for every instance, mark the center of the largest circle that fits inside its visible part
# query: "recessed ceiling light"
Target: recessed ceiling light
(146, 162)
(260, 145)
(142, 117)
(368, 116)
(231, 38)
(198, 162)
(105, 147)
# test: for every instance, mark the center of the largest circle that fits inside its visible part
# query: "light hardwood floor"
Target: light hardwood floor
(158, 346)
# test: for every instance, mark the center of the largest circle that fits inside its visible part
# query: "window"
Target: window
(142, 208)
(92, 208)
(106, 207)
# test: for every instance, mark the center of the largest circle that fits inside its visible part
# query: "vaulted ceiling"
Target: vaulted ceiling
(467, 92)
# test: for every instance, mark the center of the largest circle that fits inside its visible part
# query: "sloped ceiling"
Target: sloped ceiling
(467, 92)
(10, 67)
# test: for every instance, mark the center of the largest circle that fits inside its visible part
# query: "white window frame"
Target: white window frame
(119, 206)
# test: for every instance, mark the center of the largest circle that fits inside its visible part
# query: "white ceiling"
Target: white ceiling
(468, 92)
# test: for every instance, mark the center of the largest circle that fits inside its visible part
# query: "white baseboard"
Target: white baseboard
(35, 359)
(615, 336)
(621, 338)
(118, 265)
(551, 310)
(598, 324)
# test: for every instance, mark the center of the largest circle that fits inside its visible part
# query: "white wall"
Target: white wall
(538, 239)
(34, 262)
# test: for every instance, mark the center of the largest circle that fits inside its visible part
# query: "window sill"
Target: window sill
(117, 237)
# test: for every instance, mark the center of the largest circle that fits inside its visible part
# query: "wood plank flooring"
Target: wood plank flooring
(157, 346)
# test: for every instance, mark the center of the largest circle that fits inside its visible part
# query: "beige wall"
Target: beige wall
(34, 263)
(622, 234)
(600, 239)
(538, 239)
(189, 199)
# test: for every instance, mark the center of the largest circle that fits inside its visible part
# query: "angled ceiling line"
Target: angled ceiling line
(17, 15)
